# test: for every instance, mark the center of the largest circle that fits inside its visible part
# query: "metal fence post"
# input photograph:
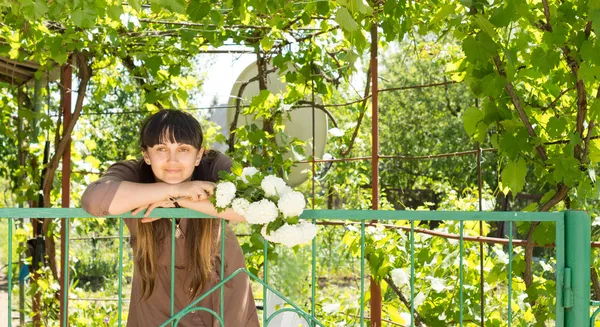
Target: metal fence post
(577, 243)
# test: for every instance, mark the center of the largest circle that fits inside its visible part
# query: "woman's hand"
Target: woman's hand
(194, 190)
(152, 206)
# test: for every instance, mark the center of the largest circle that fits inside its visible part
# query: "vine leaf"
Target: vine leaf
(513, 175)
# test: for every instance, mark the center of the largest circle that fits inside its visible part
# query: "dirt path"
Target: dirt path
(3, 301)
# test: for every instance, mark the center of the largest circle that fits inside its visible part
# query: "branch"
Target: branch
(320, 107)
(418, 319)
(560, 195)
(595, 283)
(581, 97)
(588, 30)
(547, 15)
(552, 104)
(238, 101)
(517, 103)
(85, 73)
(362, 114)
(141, 80)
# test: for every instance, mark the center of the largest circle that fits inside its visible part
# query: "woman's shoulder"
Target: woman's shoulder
(218, 162)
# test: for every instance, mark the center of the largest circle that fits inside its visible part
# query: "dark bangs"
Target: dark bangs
(173, 126)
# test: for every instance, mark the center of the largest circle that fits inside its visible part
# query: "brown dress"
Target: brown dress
(239, 306)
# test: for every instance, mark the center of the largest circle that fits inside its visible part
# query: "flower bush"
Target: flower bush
(268, 204)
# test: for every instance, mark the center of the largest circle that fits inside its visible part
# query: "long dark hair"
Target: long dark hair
(201, 235)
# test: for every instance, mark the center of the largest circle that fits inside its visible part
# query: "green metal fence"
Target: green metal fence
(572, 258)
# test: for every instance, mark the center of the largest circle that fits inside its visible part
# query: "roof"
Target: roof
(15, 72)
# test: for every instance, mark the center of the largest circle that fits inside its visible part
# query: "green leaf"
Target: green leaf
(177, 6)
(473, 122)
(485, 25)
(115, 12)
(544, 60)
(153, 64)
(480, 48)
(345, 20)
(216, 17)
(267, 43)
(258, 99)
(136, 5)
(197, 10)
(85, 17)
(556, 127)
(503, 16)
(34, 10)
(513, 175)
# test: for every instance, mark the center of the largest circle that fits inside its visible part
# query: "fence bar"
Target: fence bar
(560, 265)
(66, 79)
(577, 237)
(222, 289)
(314, 278)
(510, 259)
(120, 305)
(362, 273)
(412, 274)
(65, 272)
(10, 277)
(173, 228)
(460, 276)
(353, 215)
(266, 280)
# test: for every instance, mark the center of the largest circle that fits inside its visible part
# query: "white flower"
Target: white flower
(240, 206)
(225, 193)
(400, 277)
(438, 284)
(247, 172)
(336, 132)
(291, 204)
(407, 317)
(261, 212)
(419, 299)
(292, 235)
(274, 186)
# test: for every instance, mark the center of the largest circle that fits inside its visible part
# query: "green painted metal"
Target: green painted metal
(560, 264)
(222, 289)
(572, 258)
(578, 251)
(120, 303)
(460, 272)
(412, 274)
(65, 286)
(172, 295)
(510, 259)
(356, 215)
(266, 278)
(362, 273)
(313, 278)
(10, 276)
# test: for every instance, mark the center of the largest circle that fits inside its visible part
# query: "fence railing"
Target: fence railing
(572, 269)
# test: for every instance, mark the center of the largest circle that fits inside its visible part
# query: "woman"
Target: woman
(175, 171)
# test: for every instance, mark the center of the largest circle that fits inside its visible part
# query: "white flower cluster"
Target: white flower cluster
(274, 186)
(280, 203)
(225, 193)
(261, 212)
(292, 235)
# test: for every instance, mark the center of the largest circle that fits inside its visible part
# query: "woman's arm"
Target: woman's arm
(118, 191)
(130, 196)
(206, 207)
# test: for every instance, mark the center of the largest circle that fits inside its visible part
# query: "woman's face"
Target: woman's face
(173, 163)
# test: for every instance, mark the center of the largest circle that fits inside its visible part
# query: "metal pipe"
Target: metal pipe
(375, 287)
(65, 95)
